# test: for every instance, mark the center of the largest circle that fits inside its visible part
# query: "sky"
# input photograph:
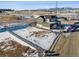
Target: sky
(22, 5)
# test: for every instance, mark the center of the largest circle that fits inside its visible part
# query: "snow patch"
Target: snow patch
(6, 36)
(44, 42)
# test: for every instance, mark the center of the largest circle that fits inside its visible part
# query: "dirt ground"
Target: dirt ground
(14, 49)
(69, 45)
(7, 19)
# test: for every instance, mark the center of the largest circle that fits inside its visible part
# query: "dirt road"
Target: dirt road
(71, 46)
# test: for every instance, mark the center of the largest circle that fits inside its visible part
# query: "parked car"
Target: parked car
(73, 28)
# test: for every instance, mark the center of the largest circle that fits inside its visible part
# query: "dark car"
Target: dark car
(73, 28)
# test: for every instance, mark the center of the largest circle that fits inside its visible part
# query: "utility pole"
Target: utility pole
(56, 8)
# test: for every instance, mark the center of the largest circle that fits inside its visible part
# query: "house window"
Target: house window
(53, 18)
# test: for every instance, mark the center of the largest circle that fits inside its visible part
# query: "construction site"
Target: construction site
(34, 33)
(38, 35)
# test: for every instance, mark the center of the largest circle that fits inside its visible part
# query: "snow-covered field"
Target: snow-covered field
(6, 36)
(40, 37)
(37, 36)
(12, 46)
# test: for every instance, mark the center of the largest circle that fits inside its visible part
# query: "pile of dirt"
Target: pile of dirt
(40, 34)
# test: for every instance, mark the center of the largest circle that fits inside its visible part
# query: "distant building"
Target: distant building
(49, 21)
